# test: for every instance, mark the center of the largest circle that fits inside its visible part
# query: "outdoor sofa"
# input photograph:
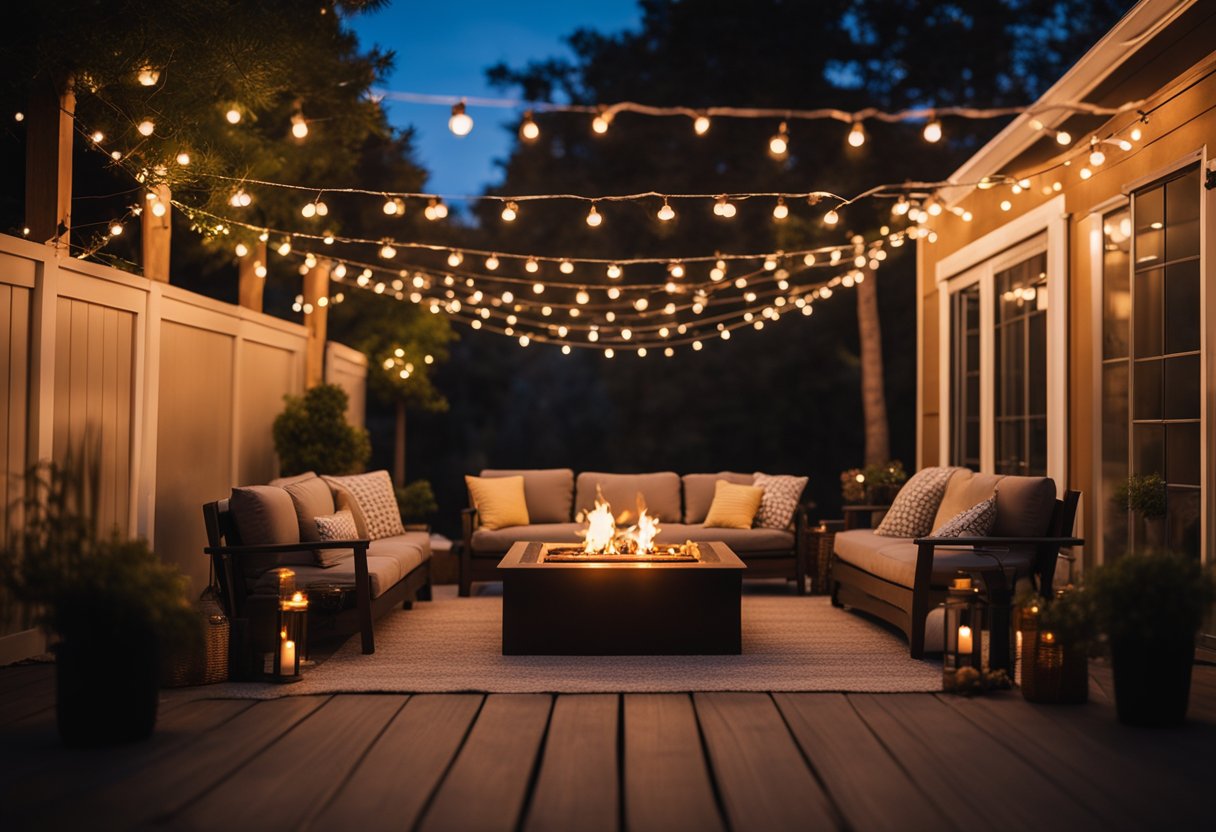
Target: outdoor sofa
(555, 498)
(262, 528)
(903, 579)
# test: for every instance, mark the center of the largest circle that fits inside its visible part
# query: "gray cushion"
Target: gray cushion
(389, 559)
(660, 490)
(548, 492)
(894, 559)
(498, 541)
(742, 541)
(312, 498)
(283, 482)
(1024, 506)
(264, 514)
(699, 492)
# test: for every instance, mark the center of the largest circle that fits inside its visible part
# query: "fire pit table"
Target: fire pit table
(560, 602)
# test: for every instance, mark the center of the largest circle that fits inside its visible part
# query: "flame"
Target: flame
(601, 537)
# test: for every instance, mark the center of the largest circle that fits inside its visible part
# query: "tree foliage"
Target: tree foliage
(312, 434)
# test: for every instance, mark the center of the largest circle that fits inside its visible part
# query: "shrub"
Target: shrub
(312, 434)
(416, 501)
(1143, 494)
(1150, 596)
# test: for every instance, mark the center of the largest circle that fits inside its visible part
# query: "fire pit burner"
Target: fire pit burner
(687, 552)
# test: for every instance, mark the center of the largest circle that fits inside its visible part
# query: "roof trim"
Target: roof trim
(1136, 29)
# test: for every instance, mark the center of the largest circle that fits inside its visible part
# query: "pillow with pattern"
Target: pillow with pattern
(974, 522)
(374, 499)
(915, 506)
(337, 526)
(780, 499)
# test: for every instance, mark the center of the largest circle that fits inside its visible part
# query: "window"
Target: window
(965, 377)
(1116, 354)
(1020, 360)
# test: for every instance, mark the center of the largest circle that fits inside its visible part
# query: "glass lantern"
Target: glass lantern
(962, 642)
(292, 627)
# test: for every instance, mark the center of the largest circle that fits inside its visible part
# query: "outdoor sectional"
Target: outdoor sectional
(554, 500)
(902, 580)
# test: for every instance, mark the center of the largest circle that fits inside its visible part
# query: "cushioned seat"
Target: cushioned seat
(894, 558)
(739, 540)
(498, 541)
(388, 560)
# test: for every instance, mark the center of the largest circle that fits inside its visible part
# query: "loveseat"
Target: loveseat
(555, 498)
(902, 579)
(262, 528)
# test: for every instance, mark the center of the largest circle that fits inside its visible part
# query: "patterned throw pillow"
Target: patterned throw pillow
(780, 499)
(915, 506)
(373, 496)
(974, 522)
(337, 526)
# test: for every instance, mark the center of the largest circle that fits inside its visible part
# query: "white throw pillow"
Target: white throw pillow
(780, 499)
(915, 506)
(374, 500)
(337, 526)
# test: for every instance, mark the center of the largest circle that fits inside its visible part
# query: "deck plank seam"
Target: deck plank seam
(838, 814)
(425, 808)
(534, 774)
(719, 800)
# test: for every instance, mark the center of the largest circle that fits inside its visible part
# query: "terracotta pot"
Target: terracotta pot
(107, 686)
(1152, 679)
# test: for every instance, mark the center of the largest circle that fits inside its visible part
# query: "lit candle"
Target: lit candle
(287, 658)
(964, 640)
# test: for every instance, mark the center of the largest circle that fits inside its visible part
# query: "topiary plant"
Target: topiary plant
(1144, 495)
(312, 434)
(416, 501)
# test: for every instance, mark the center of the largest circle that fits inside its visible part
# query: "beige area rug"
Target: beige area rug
(452, 644)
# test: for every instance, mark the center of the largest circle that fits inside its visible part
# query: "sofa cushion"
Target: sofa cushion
(1024, 506)
(965, 489)
(500, 501)
(373, 494)
(549, 492)
(781, 495)
(383, 572)
(699, 492)
(264, 514)
(734, 506)
(742, 541)
(312, 498)
(894, 559)
(916, 504)
(661, 492)
(283, 482)
(972, 522)
(337, 526)
(409, 549)
(498, 541)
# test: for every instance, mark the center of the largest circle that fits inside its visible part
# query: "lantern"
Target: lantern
(962, 642)
(292, 627)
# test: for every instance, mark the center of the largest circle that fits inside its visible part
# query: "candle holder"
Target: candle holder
(962, 642)
(292, 626)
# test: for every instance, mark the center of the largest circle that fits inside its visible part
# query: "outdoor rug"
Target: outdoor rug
(452, 644)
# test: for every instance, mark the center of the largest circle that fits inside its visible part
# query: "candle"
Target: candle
(287, 658)
(964, 640)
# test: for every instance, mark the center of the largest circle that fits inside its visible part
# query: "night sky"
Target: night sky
(444, 48)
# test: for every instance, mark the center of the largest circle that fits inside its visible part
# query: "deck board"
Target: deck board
(851, 762)
(392, 785)
(667, 782)
(577, 786)
(487, 786)
(762, 779)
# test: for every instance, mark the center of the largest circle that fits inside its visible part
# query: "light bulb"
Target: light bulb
(259, 270)
(770, 263)
(241, 249)
(566, 267)
(390, 207)
(116, 155)
(1096, 156)
(613, 293)
(780, 210)
(528, 129)
(98, 137)
(857, 135)
(531, 265)
(1125, 145)
(582, 297)
(285, 248)
(455, 258)
(524, 340)
(779, 144)
(614, 271)
(159, 209)
(934, 208)
(901, 206)
(1006, 205)
(387, 251)
(233, 115)
(600, 123)
(565, 349)
(322, 210)
(309, 210)
(1135, 134)
(148, 76)
(609, 353)
(538, 288)
(115, 229)
(145, 127)
(299, 127)
(626, 334)
(492, 262)
(183, 158)
(594, 218)
(933, 131)
(809, 259)
(666, 213)
(339, 271)
(461, 122)
(1063, 137)
(1085, 173)
(640, 304)
(831, 217)
(677, 270)
(700, 125)
(509, 212)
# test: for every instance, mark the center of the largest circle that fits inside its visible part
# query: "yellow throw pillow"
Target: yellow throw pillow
(734, 506)
(499, 501)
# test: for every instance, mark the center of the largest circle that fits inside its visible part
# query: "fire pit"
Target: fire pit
(620, 593)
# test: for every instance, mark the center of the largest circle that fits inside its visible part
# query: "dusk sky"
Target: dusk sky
(444, 48)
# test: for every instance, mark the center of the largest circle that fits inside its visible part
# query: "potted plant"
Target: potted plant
(110, 604)
(416, 502)
(1144, 495)
(1150, 606)
(1054, 640)
(312, 434)
(875, 484)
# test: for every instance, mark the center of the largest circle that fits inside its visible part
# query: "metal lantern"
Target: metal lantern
(962, 642)
(292, 628)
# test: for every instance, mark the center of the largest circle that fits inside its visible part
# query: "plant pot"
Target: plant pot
(1152, 679)
(1154, 532)
(107, 686)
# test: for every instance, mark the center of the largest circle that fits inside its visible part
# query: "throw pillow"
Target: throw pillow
(780, 499)
(312, 498)
(915, 506)
(337, 526)
(734, 506)
(499, 501)
(373, 495)
(265, 514)
(974, 522)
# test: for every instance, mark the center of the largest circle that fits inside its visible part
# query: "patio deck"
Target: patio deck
(701, 761)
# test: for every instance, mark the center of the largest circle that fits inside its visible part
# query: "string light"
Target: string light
(145, 127)
(831, 217)
(666, 213)
(600, 123)
(509, 212)
(593, 217)
(614, 271)
(435, 209)
(780, 210)
(148, 76)
(531, 266)
(933, 131)
(183, 158)
(455, 258)
(529, 131)
(1096, 156)
(1063, 137)
(492, 263)
(98, 137)
(460, 123)
(233, 115)
(566, 267)
(857, 135)
(241, 249)
(299, 127)
(115, 229)
(779, 144)
(700, 125)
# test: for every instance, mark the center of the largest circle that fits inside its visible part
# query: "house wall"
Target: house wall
(1178, 130)
(178, 392)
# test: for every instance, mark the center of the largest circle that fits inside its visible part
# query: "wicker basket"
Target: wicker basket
(207, 664)
(1052, 672)
(821, 550)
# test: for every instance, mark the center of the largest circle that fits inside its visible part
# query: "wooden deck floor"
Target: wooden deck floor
(664, 762)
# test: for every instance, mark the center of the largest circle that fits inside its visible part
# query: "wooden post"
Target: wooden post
(316, 292)
(399, 446)
(251, 286)
(156, 232)
(48, 163)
